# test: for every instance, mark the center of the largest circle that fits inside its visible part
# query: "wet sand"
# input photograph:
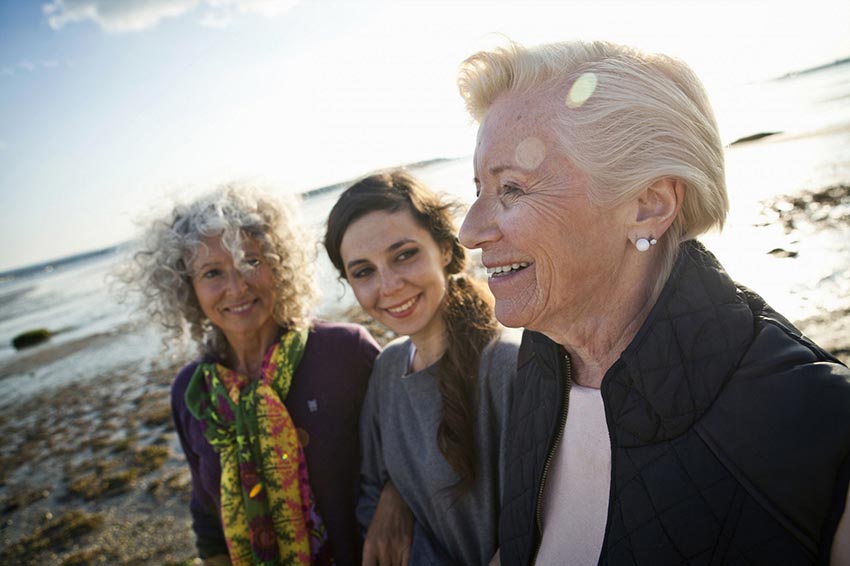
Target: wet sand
(811, 212)
(93, 473)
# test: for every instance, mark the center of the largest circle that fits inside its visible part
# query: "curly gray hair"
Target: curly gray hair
(160, 267)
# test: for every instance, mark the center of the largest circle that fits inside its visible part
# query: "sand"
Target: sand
(93, 473)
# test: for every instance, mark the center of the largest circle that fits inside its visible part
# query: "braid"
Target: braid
(470, 326)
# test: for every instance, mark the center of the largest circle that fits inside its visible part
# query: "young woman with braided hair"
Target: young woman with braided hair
(433, 421)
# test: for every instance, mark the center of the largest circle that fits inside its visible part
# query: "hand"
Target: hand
(217, 560)
(391, 531)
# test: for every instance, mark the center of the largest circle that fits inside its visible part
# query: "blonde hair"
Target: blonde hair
(160, 267)
(628, 119)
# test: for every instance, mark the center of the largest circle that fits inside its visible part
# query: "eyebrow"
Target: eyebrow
(204, 265)
(496, 169)
(390, 248)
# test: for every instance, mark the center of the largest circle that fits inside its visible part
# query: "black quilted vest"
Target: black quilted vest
(729, 431)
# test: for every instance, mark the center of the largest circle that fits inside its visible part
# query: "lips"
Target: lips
(404, 308)
(240, 308)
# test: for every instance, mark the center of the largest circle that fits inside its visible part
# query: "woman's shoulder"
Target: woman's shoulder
(337, 334)
(327, 330)
(397, 348)
(499, 361)
(181, 382)
(398, 344)
(504, 345)
(393, 359)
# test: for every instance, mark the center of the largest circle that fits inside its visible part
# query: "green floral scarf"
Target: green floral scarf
(267, 510)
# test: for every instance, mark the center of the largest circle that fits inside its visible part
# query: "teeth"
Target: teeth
(240, 308)
(491, 271)
(404, 307)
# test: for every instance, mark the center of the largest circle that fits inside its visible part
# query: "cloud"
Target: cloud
(28, 66)
(216, 20)
(116, 17)
(136, 15)
(267, 8)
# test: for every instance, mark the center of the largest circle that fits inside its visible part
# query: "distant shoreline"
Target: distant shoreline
(56, 263)
(792, 74)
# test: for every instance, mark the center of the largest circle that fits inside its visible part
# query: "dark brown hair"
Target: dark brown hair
(467, 309)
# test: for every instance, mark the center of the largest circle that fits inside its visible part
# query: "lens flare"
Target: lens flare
(303, 437)
(530, 152)
(581, 90)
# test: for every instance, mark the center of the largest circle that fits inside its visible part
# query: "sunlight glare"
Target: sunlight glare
(581, 90)
(530, 152)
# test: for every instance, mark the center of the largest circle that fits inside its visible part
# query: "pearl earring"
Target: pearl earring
(642, 244)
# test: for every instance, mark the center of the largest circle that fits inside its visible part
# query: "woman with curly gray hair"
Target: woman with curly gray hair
(267, 415)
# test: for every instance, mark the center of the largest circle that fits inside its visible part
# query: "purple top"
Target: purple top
(324, 400)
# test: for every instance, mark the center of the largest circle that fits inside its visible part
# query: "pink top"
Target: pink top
(575, 498)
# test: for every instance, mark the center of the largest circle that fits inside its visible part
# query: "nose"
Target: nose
(478, 227)
(236, 283)
(391, 282)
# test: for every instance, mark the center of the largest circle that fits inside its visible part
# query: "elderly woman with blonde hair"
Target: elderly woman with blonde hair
(663, 413)
(267, 415)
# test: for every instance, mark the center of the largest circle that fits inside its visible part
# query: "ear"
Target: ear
(657, 207)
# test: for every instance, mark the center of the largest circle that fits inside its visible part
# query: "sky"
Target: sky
(112, 108)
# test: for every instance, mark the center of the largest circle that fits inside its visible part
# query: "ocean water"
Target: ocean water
(95, 334)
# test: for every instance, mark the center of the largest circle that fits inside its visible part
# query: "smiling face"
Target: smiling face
(237, 303)
(551, 254)
(397, 272)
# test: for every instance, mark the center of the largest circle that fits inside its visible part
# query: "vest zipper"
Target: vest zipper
(611, 483)
(566, 371)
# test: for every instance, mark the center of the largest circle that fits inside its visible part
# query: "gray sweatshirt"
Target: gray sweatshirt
(398, 431)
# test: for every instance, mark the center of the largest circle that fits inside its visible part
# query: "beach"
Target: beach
(91, 471)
